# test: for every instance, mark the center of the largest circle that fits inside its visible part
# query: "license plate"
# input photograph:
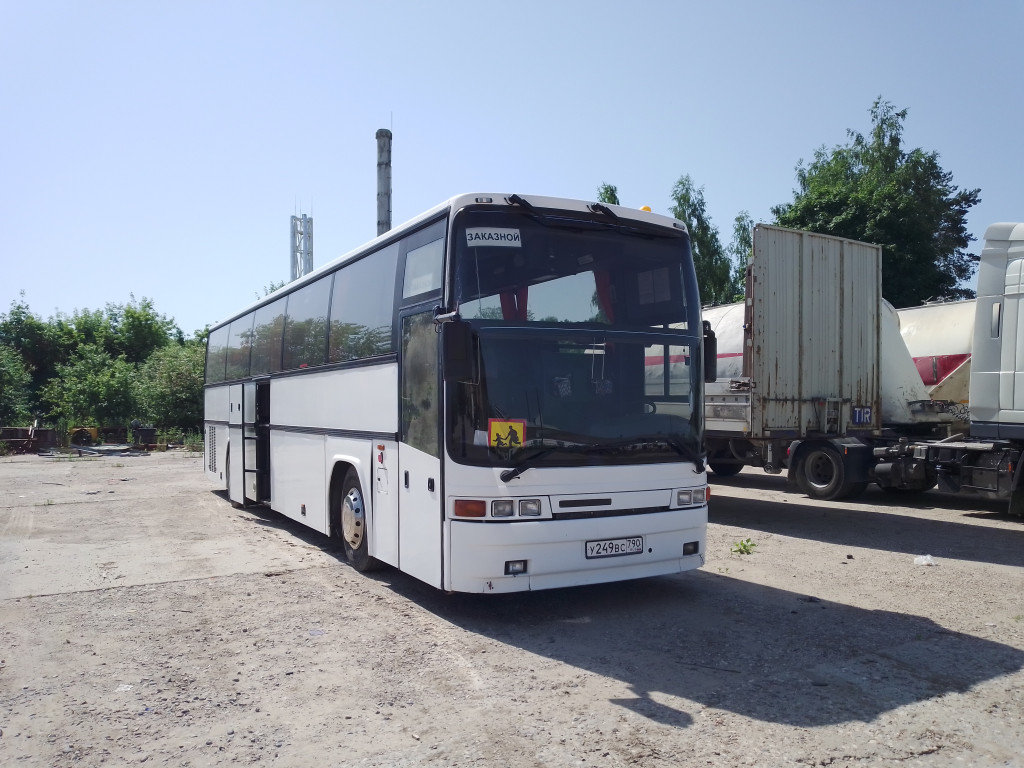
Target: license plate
(634, 545)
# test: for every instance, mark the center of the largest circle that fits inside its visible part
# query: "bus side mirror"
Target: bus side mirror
(710, 354)
(459, 354)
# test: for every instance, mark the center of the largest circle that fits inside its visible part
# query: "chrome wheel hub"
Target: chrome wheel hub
(353, 518)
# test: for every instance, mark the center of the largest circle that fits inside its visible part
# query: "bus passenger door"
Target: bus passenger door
(419, 463)
(256, 439)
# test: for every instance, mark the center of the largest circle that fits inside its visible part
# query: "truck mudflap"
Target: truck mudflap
(830, 469)
(1016, 503)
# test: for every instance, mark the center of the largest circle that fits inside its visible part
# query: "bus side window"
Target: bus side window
(305, 331)
(216, 351)
(423, 263)
(268, 326)
(239, 346)
(362, 307)
(420, 403)
(423, 267)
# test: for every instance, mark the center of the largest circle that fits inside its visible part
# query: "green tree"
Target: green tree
(714, 270)
(608, 194)
(42, 346)
(92, 388)
(14, 387)
(170, 386)
(275, 285)
(84, 326)
(137, 330)
(872, 189)
(740, 250)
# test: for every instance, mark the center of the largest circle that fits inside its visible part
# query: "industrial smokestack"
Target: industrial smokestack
(383, 181)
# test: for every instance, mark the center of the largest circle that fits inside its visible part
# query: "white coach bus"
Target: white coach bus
(503, 394)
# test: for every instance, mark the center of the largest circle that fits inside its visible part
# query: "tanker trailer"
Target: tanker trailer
(938, 336)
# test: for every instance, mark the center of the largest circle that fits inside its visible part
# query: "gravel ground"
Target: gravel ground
(143, 619)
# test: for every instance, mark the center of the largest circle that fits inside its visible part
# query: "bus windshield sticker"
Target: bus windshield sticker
(506, 433)
(506, 238)
(654, 286)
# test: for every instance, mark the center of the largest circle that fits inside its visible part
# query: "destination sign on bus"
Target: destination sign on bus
(508, 238)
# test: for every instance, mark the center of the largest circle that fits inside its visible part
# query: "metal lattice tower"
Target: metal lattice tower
(302, 246)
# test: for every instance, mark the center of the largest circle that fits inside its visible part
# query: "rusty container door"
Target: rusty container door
(812, 336)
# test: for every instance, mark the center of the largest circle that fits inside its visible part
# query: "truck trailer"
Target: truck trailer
(812, 370)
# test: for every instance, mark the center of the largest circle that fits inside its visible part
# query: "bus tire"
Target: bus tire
(351, 524)
(821, 474)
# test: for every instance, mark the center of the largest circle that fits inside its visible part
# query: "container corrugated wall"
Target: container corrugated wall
(812, 337)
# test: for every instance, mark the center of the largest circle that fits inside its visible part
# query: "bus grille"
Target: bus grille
(592, 513)
(211, 448)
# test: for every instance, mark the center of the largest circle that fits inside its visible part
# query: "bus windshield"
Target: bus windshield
(585, 342)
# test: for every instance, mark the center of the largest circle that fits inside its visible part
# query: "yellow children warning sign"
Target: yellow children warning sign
(506, 433)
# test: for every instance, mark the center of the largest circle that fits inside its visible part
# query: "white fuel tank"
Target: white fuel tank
(727, 323)
(939, 337)
(901, 385)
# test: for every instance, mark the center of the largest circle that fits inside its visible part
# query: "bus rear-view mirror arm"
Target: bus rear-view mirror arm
(710, 353)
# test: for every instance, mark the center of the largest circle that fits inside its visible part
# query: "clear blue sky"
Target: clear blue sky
(159, 149)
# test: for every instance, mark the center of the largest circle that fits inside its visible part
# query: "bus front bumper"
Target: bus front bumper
(554, 553)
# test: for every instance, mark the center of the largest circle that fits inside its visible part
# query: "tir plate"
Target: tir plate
(634, 545)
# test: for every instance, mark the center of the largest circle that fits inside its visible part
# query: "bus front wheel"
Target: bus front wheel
(351, 525)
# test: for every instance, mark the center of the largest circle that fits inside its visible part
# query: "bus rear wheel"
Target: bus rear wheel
(350, 524)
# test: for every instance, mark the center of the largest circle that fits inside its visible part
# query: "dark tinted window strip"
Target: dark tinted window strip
(582, 515)
(361, 363)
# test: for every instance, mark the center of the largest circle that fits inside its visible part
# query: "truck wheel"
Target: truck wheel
(822, 475)
(725, 468)
(349, 524)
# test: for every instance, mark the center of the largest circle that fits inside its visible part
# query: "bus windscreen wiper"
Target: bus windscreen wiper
(614, 221)
(525, 464)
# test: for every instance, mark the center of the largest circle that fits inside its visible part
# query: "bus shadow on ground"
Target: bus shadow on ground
(699, 640)
(875, 527)
(268, 518)
(683, 643)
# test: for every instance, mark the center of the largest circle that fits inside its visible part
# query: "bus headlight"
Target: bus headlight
(529, 508)
(688, 497)
(502, 508)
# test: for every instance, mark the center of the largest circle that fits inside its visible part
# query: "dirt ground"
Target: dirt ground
(143, 619)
